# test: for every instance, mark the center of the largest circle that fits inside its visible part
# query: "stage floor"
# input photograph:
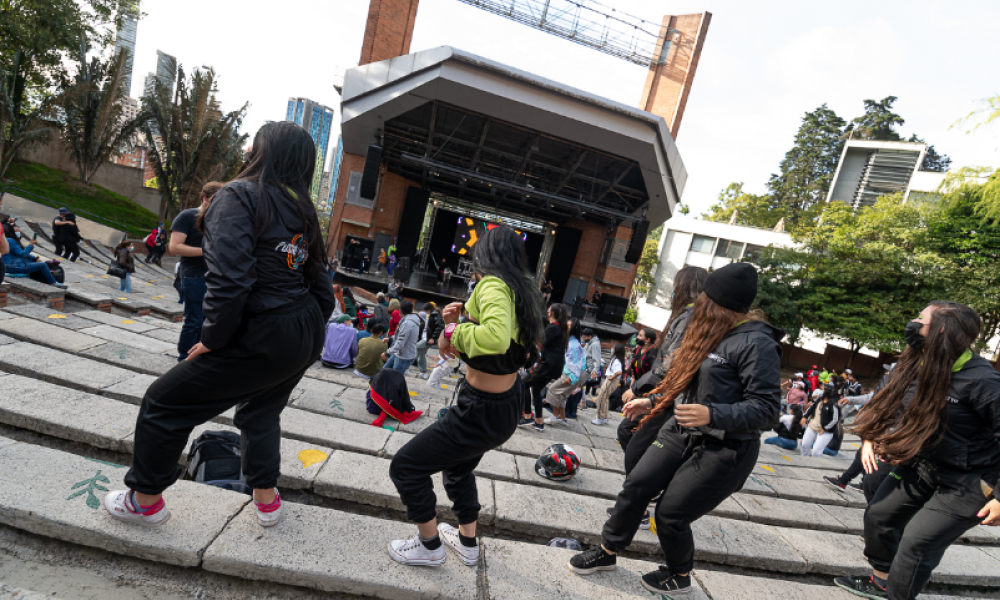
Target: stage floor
(425, 287)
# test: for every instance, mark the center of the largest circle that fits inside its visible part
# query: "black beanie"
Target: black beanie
(734, 286)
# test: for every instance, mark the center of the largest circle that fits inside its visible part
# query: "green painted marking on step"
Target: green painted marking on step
(94, 483)
(104, 462)
(336, 404)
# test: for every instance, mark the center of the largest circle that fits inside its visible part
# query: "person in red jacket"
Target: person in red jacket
(813, 377)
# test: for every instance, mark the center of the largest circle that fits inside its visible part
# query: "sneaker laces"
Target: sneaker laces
(411, 544)
(594, 554)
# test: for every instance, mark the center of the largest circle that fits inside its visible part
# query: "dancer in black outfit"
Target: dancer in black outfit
(938, 422)
(500, 338)
(269, 297)
(550, 365)
(724, 386)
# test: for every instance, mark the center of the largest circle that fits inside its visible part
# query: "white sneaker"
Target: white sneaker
(552, 420)
(424, 375)
(119, 505)
(268, 515)
(600, 421)
(449, 535)
(412, 552)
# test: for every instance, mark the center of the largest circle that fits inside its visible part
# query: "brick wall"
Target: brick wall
(388, 30)
(668, 85)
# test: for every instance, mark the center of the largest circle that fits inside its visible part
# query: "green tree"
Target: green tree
(878, 122)
(95, 125)
(647, 264)
(751, 209)
(990, 111)
(933, 160)
(21, 124)
(193, 142)
(800, 189)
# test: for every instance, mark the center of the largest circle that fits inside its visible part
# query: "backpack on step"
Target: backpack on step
(214, 458)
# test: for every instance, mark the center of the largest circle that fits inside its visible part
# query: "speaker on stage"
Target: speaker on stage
(639, 232)
(612, 309)
(402, 270)
(578, 311)
(369, 178)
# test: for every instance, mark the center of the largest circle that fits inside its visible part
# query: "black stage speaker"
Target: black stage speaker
(579, 311)
(639, 232)
(402, 270)
(369, 178)
(411, 221)
(612, 309)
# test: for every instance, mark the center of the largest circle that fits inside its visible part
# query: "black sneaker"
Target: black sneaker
(525, 421)
(857, 487)
(595, 559)
(862, 585)
(835, 483)
(644, 524)
(537, 427)
(664, 581)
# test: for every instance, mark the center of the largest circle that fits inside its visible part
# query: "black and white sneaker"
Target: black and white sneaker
(857, 487)
(591, 561)
(644, 524)
(664, 581)
(862, 585)
(835, 483)
(526, 421)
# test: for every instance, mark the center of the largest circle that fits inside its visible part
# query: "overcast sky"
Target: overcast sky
(764, 64)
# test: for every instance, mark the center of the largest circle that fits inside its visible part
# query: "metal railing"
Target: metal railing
(54, 204)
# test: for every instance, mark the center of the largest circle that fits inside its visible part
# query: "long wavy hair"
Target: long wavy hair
(618, 352)
(282, 161)
(500, 253)
(575, 329)
(687, 285)
(561, 314)
(900, 433)
(709, 324)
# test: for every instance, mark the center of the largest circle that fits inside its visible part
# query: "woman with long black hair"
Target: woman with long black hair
(723, 386)
(938, 421)
(573, 367)
(550, 365)
(500, 338)
(269, 296)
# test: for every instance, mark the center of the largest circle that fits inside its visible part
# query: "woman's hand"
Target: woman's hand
(445, 348)
(693, 415)
(991, 513)
(868, 459)
(197, 349)
(628, 396)
(451, 313)
(637, 407)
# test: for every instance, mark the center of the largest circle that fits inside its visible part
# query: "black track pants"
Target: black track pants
(852, 471)
(870, 483)
(642, 438)
(916, 514)
(537, 385)
(454, 445)
(695, 474)
(256, 372)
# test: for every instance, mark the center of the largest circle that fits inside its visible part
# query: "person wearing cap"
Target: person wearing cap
(58, 225)
(341, 345)
(796, 395)
(723, 388)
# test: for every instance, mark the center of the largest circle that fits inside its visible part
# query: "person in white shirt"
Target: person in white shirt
(612, 379)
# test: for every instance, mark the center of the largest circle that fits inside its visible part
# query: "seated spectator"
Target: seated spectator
(20, 261)
(350, 304)
(388, 396)
(370, 349)
(796, 396)
(341, 344)
(362, 334)
(444, 368)
(381, 299)
(394, 316)
(403, 351)
(789, 429)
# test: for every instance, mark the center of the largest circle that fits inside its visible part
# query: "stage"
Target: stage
(424, 287)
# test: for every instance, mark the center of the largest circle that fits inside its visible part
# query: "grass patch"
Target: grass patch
(69, 191)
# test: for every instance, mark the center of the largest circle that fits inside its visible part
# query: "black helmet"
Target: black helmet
(559, 462)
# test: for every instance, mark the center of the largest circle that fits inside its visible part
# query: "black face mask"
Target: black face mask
(912, 335)
(640, 342)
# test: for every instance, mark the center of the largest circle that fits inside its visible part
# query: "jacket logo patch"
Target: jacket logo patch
(296, 250)
(953, 400)
(719, 359)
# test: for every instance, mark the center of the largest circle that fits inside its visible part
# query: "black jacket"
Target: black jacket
(671, 341)
(828, 418)
(971, 421)
(249, 274)
(435, 325)
(740, 382)
(553, 355)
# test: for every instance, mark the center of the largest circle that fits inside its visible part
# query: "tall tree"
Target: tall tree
(20, 122)
(751, 209)
(801, 187)
(647, 263)
(192, 141)
(95, 124)
(933, 160)
(878, 123)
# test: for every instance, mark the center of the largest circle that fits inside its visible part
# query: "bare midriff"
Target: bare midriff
(491, 384)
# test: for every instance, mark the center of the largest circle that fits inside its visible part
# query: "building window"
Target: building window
(354, 191)
(729, 249)
(753, 253)
(702, 244)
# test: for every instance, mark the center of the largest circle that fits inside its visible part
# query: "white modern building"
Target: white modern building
(688, 242)
(869, 169)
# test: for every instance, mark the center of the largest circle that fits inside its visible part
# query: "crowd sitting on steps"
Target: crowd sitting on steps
(696, 399)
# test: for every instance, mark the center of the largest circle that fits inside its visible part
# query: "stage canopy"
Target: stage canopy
(476, 130)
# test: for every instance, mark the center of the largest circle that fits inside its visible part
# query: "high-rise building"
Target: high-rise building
(125, 40)
(166, 73)
(338, 158)
(317, 120)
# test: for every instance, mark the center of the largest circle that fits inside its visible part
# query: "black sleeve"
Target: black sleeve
(228, 244)
(759, 370)
(184, 223)
(322, 288)
(985, 400)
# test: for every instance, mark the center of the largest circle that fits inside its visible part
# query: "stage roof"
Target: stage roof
(474, 129)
